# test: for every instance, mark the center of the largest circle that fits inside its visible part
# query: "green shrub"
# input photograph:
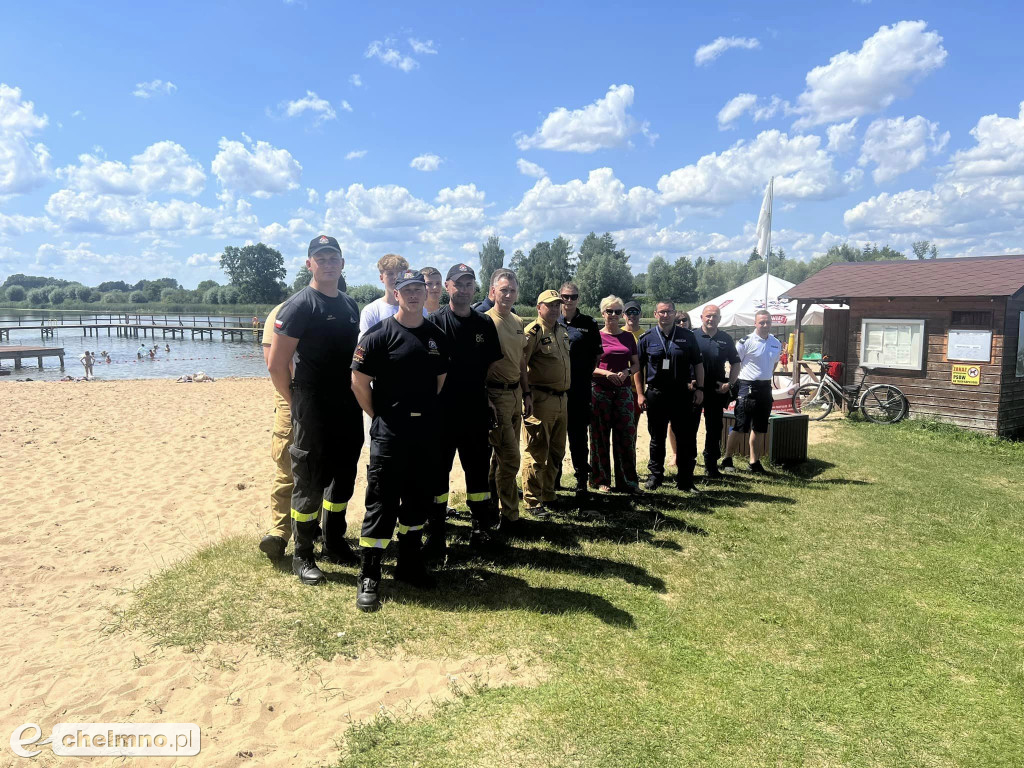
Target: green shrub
(57, 296)
(37, 297)
(15, 293)
(138, 297)
(212, 296)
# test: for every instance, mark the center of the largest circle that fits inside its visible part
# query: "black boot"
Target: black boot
(273, 546)
(307, 571)
(684, 480)
(483, 519)
(368, 587)
(435, 548)
(411, 568)
(336, 548)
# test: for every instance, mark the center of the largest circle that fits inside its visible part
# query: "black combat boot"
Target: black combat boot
(435, 548)
(411, 568)
(273, 546)
(307, 571)
(684, 480)
(368, 587)
(336, 548)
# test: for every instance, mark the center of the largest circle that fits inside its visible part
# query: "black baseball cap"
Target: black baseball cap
(631, 306)
(323, 243)
(459, 270)
(410, 276)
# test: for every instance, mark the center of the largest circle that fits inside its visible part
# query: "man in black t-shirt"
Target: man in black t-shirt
(406, 360)
(318, 327)
(465, 409)
(717, 348)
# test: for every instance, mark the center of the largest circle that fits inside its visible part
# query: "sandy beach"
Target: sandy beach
(109, 483)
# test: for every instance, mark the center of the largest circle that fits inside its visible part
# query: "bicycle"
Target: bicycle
(880, 403)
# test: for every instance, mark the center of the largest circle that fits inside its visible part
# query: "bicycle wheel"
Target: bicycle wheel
(884, 404)
(812, 403)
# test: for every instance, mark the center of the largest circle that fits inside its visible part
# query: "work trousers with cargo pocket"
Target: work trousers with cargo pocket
(398, 485)
(467, 436)
(504, 438)
(327, 437)
(281, 490)
(545, 431)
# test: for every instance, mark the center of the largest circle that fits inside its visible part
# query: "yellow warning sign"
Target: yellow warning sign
(966, 374)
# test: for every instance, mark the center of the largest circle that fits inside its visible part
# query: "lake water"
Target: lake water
(214, 357)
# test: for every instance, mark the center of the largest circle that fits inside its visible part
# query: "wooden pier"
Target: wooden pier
(129, 325)
(20, 353)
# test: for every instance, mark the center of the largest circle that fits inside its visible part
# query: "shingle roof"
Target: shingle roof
(976, 276)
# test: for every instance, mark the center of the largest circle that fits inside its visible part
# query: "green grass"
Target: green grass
(862, 610)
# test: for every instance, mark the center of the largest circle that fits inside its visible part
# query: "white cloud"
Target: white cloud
(884, 69)
(842, 136)
(355, 154)
(321, 109)
(462, 195)
(600, 203)
(708, 53)
(16, 224)
(802, 169)
(154, 88)
(737, 105)
(386, 53)
(312, 196)
(260, 170)
(426, 162)
(425, 48)
(975, 205)
(999, 150)
(162, 167)
(734, 109)
(356, 81)
(203, 260)
(899, 145)
(530, 169)
(346, 106)
(601, 125)
(23, 165)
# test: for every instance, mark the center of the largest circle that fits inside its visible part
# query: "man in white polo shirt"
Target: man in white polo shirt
(759, 352)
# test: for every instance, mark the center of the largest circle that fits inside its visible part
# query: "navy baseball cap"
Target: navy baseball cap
(632, 306)
(323, 243)
(459, 270)
(409, 277)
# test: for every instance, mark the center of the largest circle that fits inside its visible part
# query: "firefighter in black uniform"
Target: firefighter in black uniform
(667, 355)
(717, 348)
(406, 359)
(584, 353)
(473, 346)
(318, 326)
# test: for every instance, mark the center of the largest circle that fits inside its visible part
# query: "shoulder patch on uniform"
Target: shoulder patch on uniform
(744, 340)
(534, 329)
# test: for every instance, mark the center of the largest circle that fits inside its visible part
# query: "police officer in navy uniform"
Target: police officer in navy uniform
(667, 355)
(406, 359)
(473, 346)
(584, 354)
(758, 353)
(318, 327)
(717, 348)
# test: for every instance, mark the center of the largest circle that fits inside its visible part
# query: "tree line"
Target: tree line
(256, 275)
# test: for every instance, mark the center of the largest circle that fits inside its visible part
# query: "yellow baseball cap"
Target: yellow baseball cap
(549, 297)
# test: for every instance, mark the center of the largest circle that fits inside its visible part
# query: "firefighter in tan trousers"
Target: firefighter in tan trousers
(275, 541)
(548, 369)
(509, 393)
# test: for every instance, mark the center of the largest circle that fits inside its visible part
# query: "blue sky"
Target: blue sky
(138, 141)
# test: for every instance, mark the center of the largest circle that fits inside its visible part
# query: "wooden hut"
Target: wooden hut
(948, 332)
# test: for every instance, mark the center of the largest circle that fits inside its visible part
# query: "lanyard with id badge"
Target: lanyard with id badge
(666, 364)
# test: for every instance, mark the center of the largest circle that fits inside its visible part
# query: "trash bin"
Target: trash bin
(787, 436)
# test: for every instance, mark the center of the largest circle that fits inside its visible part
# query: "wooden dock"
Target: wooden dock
(130, 325)
(20, 353)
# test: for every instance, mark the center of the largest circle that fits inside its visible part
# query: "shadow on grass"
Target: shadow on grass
(477, 588)
(563, 562)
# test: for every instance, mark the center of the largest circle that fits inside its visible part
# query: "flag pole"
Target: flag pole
(768, 255)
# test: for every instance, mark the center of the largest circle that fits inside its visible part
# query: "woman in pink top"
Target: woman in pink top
(613, 404)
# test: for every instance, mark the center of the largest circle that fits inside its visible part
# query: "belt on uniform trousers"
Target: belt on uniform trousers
(499, 385)
(549, 390)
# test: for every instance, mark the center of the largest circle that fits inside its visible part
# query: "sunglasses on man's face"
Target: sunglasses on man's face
(633, 312)
(613, 311)
(570, 296)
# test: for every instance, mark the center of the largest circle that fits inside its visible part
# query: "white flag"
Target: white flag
(764, 222)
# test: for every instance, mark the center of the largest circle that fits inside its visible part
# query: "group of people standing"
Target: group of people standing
(475, 381)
